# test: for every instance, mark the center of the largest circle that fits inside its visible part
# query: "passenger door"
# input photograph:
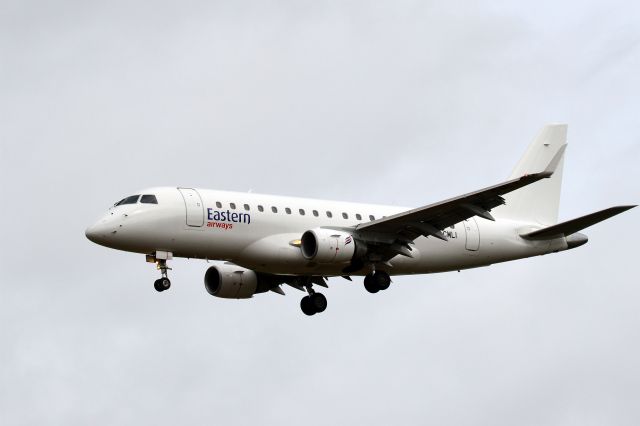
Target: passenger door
(193, 206)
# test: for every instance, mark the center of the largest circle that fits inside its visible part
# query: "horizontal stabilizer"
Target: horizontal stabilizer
(575, 225)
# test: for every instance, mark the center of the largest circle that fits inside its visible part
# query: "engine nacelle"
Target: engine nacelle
(328, 246)
(230, 281)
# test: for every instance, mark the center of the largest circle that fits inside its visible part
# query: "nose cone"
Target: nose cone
(98, 232)
(91, 233)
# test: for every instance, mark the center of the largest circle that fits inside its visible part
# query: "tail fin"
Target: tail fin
(538, 203)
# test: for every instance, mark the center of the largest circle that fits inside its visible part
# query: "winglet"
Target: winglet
(553, 164)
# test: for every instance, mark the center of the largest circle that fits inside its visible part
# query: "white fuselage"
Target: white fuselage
(260, 232)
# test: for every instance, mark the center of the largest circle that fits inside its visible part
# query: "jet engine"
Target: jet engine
(329, 246)
(230, 281)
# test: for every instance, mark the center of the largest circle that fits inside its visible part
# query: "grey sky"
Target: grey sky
(397, 102)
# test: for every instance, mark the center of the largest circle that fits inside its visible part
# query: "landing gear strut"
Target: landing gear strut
(314, 303)
(376, 281)
(163, 283)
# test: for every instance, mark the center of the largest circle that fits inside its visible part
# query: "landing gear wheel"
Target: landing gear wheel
(382, 280)
(377, 281)
(306, 306)
(370, 284)
(162, 284)
(319, 302)
(313, 304)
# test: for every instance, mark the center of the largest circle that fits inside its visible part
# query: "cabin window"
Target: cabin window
(329, 214)
(149, 199)
(260, 208)
(218, 204)
(132, 199)
(301, 212)
(358, 216)
(246, 207)
(288, 210)
(274, 209)
(232, 205)
(315, 213)
(345, 216)
(371, 217)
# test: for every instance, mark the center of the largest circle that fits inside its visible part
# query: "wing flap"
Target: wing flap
(572, 226)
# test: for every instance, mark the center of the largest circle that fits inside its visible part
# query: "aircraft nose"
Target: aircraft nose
(91, 233)
(98, 232)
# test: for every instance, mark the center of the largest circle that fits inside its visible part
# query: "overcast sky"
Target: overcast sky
(399, 102)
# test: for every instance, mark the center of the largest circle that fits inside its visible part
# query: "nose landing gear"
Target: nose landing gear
(162, 284)
(160, 259)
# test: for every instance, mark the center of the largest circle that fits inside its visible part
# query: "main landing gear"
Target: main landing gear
(314, 303)
(376, 281)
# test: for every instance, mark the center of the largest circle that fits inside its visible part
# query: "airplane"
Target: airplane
(258, 243)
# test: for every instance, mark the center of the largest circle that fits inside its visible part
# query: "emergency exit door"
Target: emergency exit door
(473, 234)
(193, 206)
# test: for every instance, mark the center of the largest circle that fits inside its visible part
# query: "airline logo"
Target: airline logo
(348, 240)
(226, 219)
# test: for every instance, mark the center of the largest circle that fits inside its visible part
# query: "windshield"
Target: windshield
(132, 199)
(149, 199)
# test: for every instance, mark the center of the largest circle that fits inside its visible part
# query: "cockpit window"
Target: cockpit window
(149, 199)
(129, 200)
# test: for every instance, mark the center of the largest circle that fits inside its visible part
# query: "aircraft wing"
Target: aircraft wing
(401, 229)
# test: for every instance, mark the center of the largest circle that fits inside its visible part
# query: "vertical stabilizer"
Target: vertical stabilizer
(540, 202)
